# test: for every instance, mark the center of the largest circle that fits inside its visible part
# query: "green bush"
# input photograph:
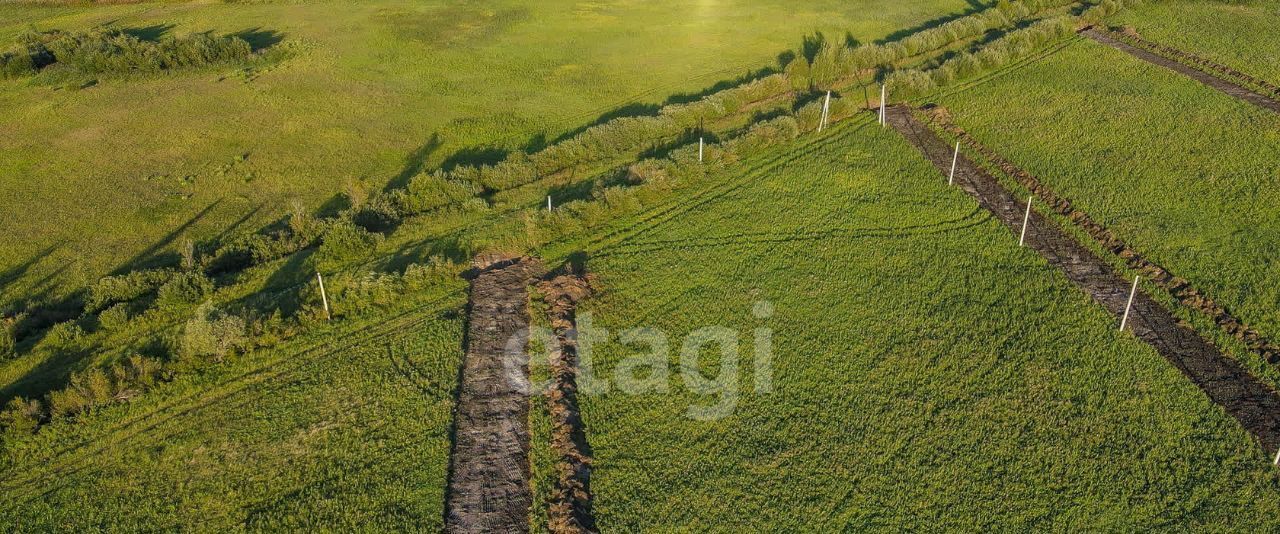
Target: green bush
(101, 51)
(211, 333)
(426, 192)
(345, 243)
(184, 289)
(21, 417)
(126, 287)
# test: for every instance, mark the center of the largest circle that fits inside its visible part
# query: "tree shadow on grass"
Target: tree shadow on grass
(475, 156)
(413, 163)
(158, 255)
(259, 38)
(636, 109)
(149, 33)
(975, 6)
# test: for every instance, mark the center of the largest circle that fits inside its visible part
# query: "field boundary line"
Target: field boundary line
(1222, 379)
(1179, 288)
(1108, 38)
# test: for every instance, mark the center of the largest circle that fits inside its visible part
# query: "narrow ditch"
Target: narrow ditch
(570, 502)
(1215, 82)
(1224, 381)
(1179, 288)
(488, 488)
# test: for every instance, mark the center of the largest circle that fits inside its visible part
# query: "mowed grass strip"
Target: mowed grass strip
(927, 373)
(1182, 173)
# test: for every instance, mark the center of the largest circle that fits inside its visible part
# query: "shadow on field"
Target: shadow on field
(473, 156)
(974, 7)
(413, 163)
(149, 33)
(159, 254)
(749, 76)
(259, 38)
(635, 109)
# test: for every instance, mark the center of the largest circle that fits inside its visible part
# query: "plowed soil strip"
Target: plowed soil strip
(1251, 402)
(570, 506)
(1202, 77)
(489, 467)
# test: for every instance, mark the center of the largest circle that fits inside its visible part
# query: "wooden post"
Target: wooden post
(826, 108)
(548, 202)
(700, 150)
(954, 159)
(1125, 320)
(1277, 462)
(324, 298)
(1025, 219)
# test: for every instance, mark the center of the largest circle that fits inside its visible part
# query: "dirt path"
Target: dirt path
(1202, 77)
(570, 503)
(488, 487)
(1251, 402)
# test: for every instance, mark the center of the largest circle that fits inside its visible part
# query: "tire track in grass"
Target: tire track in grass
(488, 484)
(1210, 80)
(1255, 405)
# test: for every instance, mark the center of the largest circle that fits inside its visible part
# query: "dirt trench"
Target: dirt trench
(570, 503)
(1210, 80)
(488, 489)
(1224, 381)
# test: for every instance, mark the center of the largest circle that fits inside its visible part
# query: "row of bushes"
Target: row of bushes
(836, 62)
(210, 334)
(1013, 46)
(101, 51)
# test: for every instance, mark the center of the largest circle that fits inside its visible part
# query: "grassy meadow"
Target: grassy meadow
(117, 174)
(927, 373)
(1184, 174)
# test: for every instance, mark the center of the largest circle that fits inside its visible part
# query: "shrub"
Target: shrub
(377, 215)
(127, 287)
(184, 289)
(426, 192)
(100, 51)
(797, 73)
(8, 341)
(114, 317)
(344, 243)
(211, 333)
(21, 416)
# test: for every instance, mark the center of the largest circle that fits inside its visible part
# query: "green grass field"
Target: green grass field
(1240, 35)
(119, 173)
(1181, 172)
(927, 372)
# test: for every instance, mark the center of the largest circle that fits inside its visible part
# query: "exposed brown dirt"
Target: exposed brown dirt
(1222, 379)
(488, 488)
(1177, 287)
(1117, 41)
(570, 507)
